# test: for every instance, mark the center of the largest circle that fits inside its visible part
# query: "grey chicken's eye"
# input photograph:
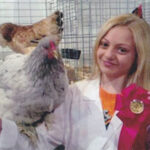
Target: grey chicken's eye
(46, 47)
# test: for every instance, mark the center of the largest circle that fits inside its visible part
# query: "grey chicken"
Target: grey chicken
(32, 86)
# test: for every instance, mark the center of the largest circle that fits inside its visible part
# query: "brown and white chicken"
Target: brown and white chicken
(23, 39)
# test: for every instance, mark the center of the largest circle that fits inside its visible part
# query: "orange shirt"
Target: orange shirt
(108, 101)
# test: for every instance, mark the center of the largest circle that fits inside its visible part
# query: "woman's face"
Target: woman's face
(116, 52)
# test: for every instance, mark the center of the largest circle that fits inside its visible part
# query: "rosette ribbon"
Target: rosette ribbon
(134, 110)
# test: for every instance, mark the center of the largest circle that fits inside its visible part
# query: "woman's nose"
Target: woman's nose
(109, 53)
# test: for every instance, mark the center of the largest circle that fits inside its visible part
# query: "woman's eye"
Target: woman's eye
(104, 44)
(122, 50)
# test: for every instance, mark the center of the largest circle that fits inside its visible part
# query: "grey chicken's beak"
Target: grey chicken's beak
(55, 54)
(52, 51)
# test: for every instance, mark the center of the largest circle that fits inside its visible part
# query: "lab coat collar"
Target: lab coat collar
(91, 90)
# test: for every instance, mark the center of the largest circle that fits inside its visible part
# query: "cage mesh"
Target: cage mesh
(82, 21)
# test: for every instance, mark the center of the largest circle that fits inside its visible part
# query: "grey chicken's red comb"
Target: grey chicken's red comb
(52, 45)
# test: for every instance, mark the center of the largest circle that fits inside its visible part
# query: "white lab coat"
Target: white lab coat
(79, 124)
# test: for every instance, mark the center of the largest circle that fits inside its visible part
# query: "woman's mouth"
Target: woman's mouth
(108, 63)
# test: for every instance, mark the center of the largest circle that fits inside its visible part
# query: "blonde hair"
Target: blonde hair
(141, 34)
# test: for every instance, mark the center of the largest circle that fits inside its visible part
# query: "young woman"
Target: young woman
(110, 110)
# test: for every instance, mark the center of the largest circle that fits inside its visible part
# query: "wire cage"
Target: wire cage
(82, 21)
